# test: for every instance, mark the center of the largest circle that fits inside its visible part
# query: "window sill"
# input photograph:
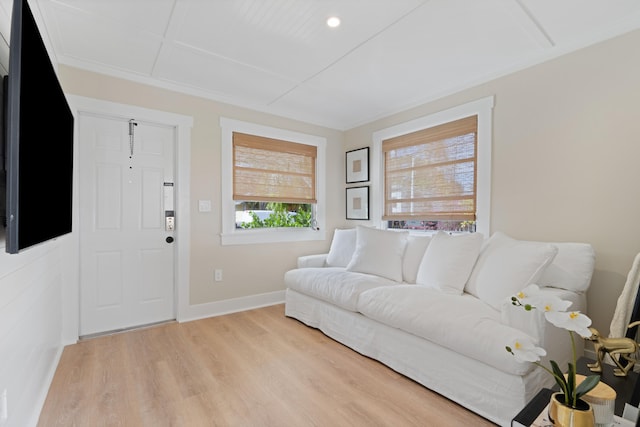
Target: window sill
(271, 235)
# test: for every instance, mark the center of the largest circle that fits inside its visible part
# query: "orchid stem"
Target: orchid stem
(573, 349)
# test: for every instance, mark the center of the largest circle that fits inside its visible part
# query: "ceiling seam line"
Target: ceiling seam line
(358, 46)
(163, 43)
(535, 22)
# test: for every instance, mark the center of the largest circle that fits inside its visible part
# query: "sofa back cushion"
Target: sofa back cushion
(448, 261)
(506, 266)
(342, 247)
(413, 254)
(571, 269)
(379, 252)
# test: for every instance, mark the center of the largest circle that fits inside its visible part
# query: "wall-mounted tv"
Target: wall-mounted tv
(38, 140)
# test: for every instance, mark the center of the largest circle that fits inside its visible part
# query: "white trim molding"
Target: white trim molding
(233, 305)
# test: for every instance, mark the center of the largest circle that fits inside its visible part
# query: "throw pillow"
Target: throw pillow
(571, 268)
(342, 247)
(506, 266)
(379, 252)
(448, 261)
(416, 247)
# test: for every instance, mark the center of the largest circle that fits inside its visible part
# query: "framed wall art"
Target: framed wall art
(358, 202)
(358, 165)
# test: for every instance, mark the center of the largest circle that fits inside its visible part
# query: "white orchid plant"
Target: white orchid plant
(555, 312)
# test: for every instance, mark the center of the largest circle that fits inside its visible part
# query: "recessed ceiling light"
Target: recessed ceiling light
(333, 22)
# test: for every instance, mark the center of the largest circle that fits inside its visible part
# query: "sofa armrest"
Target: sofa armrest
(554, 340)
(533, 322)
(307, 261)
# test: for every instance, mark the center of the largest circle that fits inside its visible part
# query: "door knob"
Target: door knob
(169, 239)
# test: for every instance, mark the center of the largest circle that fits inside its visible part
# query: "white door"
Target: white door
(126, 251)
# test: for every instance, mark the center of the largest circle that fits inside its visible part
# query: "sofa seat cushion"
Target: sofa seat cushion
(334, 284)
(461, 323)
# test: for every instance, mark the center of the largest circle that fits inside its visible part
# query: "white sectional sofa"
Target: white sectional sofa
(437, 308)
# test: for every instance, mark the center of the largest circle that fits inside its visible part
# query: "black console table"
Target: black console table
(624, 386)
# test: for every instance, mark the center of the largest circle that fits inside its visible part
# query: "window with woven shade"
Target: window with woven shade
(431, 174)
(273, 184)
(273, 170)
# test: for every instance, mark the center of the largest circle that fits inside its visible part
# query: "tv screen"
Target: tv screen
(39, 140)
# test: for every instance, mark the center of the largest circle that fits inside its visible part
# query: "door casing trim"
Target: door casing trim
(182, 160)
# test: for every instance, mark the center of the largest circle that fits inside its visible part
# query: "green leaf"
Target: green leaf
(587, 385)
(558, 375)
(571, 384)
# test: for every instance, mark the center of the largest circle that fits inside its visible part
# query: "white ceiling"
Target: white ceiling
(279, 56)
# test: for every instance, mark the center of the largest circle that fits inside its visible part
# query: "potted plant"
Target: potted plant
(565, 406)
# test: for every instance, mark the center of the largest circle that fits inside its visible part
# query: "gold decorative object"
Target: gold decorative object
(615, 348)
(562, 415)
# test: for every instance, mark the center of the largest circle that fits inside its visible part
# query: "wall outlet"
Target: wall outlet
(218, 275)
(4, 411)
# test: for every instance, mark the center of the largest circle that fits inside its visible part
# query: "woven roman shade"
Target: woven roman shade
(273, 170)
(430, 174)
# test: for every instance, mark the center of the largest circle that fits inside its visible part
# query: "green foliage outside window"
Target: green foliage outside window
(282, 215)
(449, 226)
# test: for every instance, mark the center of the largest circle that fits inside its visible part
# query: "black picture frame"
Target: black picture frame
(357, 203)
(357, 165)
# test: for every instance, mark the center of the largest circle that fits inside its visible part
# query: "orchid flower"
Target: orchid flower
(531, 297)
(525, 351)
(553, 304)
(528, 292)
(571, 321)
(555, 312)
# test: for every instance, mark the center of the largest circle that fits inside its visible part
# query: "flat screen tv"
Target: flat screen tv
(38, 140)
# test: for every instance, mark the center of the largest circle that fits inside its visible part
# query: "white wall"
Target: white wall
(250, 271)
(37, 291)
(31, 307)
(566, 144)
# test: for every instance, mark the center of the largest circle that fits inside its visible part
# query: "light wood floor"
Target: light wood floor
(255, 368)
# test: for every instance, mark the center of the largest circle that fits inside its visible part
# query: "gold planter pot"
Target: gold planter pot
(565, 416)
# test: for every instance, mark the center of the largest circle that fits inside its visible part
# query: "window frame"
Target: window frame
(483, 108)
(230, 235)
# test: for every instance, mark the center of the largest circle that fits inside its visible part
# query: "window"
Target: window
(434, 172)
(430, 174)
(272, 184)
(276, 177)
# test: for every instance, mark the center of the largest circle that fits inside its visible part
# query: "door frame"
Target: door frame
(182, 161)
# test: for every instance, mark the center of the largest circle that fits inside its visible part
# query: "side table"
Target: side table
(625, 388)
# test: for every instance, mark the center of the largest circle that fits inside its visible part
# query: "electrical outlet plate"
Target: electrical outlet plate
(204, 205)
(218, 275)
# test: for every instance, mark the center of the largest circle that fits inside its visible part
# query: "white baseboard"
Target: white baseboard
(234, 305)
(38, 402)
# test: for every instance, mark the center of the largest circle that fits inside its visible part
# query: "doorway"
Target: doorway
(131, 164)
